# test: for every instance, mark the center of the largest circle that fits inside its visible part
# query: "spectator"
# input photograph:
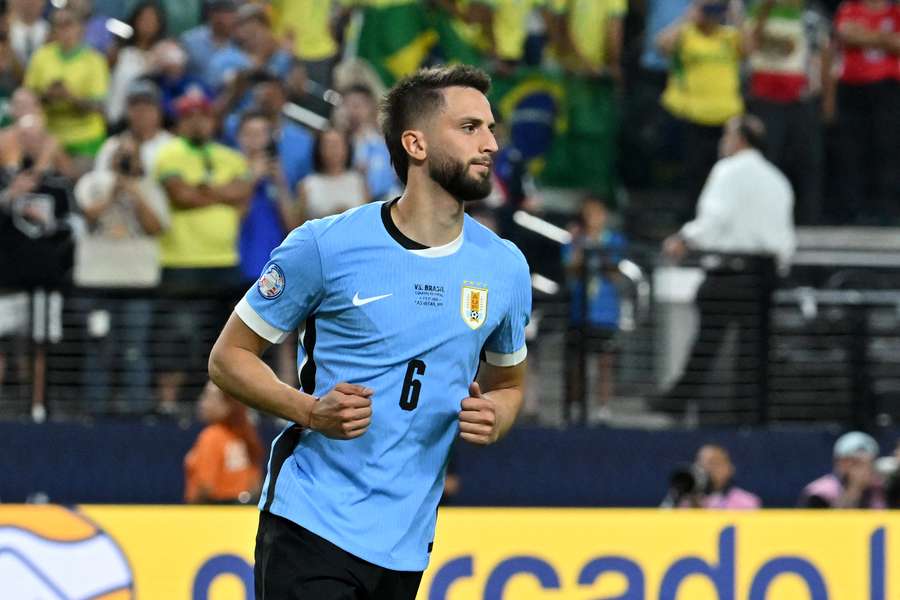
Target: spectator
(206, 39)
(11, 70)
(272, 212)
(126, 211)
(721, 491)
(333, 187)
(208, 188)
(650, 137)
(168, 69)
(370, 153)
(295, 142)
(704, 91)
(660, 15)
(37, 232)
(744, 224)
(28, 134)
(591, 260)
(788, 63)
(72, 80)
(590, 39)
(225, 464)
(305, 26)
(854, 482)
(28, 30)
(256, 49)
(593, 36)
(506, 23)
(181, 15)
(868, 32)
(132, 55)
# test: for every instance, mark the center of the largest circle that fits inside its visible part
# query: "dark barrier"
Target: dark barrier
(140, 463)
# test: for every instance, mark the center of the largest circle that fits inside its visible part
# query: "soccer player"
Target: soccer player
(398, 301)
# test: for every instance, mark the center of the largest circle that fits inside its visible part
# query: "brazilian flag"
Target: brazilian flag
(584, 154)
(396, 37)
(563, 125)
(459, 42)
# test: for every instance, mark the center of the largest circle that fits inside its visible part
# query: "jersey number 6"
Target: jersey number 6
(409, 397)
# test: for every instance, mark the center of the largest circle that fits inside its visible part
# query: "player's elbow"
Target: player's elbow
(216, 364)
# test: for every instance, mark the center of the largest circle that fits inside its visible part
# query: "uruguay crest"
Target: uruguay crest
(473, 306)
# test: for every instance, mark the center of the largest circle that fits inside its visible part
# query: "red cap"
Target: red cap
(193, 100)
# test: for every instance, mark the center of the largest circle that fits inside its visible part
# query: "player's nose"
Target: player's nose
(489, 143)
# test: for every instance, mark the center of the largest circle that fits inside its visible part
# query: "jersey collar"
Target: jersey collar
(412, 245)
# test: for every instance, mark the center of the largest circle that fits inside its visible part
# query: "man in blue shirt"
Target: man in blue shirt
(203, 41)
(256, 49)
(294, 142)
(400, 299)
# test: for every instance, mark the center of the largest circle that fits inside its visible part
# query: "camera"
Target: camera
(124, 164)
(686, 481)
(272, 148)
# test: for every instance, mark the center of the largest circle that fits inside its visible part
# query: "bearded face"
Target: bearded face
(465, 181)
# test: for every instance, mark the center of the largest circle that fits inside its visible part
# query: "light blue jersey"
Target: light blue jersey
(409, 322)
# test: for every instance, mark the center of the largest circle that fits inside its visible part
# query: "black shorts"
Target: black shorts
(292, 563)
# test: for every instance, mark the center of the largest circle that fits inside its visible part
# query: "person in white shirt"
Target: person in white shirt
(744, 228)
(126, 211)
(334, 186)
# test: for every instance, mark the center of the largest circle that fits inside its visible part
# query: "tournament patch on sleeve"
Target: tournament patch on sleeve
(271, 283)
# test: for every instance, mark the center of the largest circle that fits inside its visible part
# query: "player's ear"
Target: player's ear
(414, 143)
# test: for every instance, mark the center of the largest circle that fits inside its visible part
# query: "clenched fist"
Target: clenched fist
(478, 418)
(343, 413)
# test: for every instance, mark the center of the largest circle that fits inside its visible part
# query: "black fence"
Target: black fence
(833, 351)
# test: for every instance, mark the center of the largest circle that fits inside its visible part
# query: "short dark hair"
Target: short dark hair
(419, 96)
(252, 114)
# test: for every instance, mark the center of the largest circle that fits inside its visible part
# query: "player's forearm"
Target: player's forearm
(245, 376)
(507, 403)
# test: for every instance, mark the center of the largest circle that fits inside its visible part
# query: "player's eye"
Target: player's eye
(468, 128)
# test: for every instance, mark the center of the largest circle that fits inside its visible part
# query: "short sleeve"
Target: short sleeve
(505, 346)
(289, 289)
(167, 162)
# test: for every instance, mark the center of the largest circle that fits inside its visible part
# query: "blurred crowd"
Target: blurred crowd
(152, 154)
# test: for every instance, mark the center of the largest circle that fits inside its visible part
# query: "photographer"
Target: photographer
(709, 483)
(854, 483)
(889, 468)
(126, 211)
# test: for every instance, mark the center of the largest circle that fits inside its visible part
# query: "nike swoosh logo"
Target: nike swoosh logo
(357, 301)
